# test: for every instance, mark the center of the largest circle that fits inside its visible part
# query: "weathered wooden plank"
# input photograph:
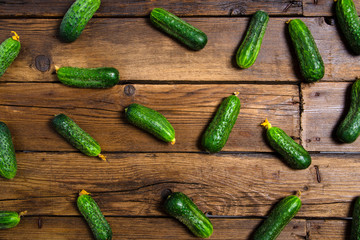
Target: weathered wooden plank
(328, 229)
(140, 228)
(321, 7)
(325, 105)
(112, 8)
(222, 184)
(143, 53)
(29, 108)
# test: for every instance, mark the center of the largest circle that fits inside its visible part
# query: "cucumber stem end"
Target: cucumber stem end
(266, 124)
(173, 141)
(15, 37)
(102, 157)
(83, 192)
(22, 213)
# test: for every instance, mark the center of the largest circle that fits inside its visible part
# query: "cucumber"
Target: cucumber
(349, 129)
(250, 47)
(180, 206)
(218, 131)
(76, 18)
(93, 216)
(8, 165)
(150, 121)
(355, 224)
(105, 77)
(278, 218)
(9, 50)
(349, 23)
(292, 152)
(9, 219)
(311, 63)
(77, 137)
(178, 28)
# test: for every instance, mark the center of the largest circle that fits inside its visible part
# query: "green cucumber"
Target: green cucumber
(349, 129)
(355, 224)
(93, 216)
(349, 23)
(278, 218)
(311, 63)
(8, 165)
(76, 136)
(250, 47)
(292, 152)
(105, 77)
(9, 219)
(76, 18)
(150, 121)
(217, 133)
(180, 206)
(178, 28)
(9, 50)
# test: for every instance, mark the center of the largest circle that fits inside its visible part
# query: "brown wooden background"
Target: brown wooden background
(237, 187)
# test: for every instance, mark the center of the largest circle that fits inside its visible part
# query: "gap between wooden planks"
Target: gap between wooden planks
(134, 184)
(142, 53)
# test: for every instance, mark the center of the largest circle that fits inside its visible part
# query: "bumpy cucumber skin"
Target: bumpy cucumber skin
(150, 121)
(349, 22)
(77, 137)
(355, 224)
(311, 63)
(292, 152)
(105, 77)
(278, 218)
(8, 219)
(9, 50)
(94, 217)
(76, 18)
(250, 47)
(8, 165)
(349, 129)
(217, 133)
(180, 206)
(178, 28)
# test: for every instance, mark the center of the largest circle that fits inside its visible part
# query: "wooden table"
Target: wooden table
(236, 187)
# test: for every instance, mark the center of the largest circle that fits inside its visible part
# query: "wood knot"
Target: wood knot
(165, 193)
(317, 94)
(42, 63)
(329, 21)
(129, 90)
(40, 223)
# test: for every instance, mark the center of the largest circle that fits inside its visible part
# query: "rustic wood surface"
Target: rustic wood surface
(143, 53)
(143, 228)
(236, 187)
(133, 184)
(326, 104)
(113, 8)
(188, 107)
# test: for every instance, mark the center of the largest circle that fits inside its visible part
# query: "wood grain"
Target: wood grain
(134, 184)
(142, 53)
(113, 8)
(27, 108)
(328, 229)
(141, 228)
(322, 8)
(325, 106)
